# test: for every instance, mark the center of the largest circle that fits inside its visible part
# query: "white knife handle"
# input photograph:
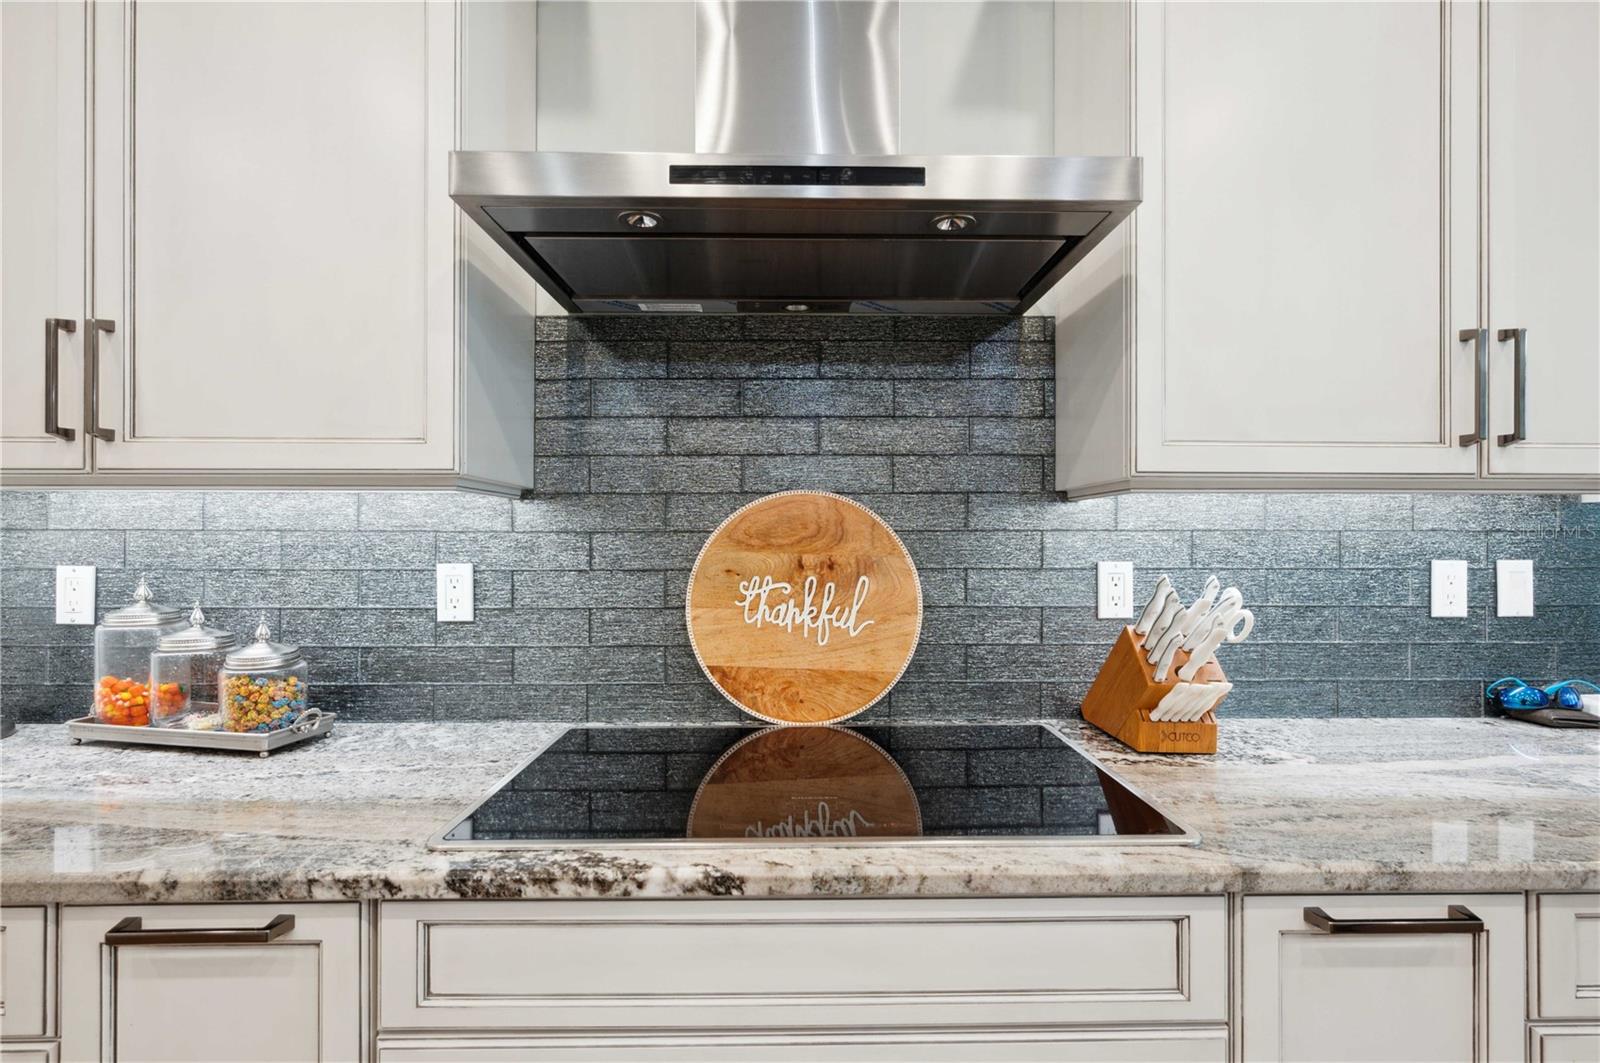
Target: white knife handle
(1152, 609)
(1158, 630)
(1169, 650)
(1203, 653)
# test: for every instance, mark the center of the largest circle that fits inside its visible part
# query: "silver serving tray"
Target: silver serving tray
(314, 725)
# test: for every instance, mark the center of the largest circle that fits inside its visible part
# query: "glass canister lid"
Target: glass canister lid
(143, 612)
(263, 653)
(198, 637)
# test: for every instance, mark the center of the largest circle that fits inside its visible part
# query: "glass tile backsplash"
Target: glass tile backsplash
(651, 430)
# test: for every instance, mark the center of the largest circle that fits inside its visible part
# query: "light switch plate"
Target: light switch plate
(1513, 587)
(1449, 594)
(75, 594)
(454, 593)
(1114, 580)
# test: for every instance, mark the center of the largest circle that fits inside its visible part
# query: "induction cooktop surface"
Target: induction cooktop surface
(891, 784)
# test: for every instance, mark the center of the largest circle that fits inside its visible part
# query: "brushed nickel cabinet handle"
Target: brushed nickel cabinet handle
(1460, 920)
(130, 931)
(95, 326)
(1480, 402)
(1519, 426)
(53, 328)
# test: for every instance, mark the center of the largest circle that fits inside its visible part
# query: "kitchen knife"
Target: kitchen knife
(1230, 600)
(1188, 620)
(1152, 609)
(1215, 692)
(1158, 629)
(1205, 651)
(1168, 650)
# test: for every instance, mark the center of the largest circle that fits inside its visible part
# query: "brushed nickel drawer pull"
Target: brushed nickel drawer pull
(53, 328)
(1459, 921)
(1519, 355)
(130, 931)
(95, 326)
(1479, 338)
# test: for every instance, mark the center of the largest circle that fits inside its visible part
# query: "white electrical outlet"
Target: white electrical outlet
(454, 590)
(1513, 587)
(74, 594)
(1115, 595)
(1449, 592)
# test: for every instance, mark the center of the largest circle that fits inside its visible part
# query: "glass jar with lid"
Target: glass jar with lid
(123, 642)
(262, 686)
(183, 673)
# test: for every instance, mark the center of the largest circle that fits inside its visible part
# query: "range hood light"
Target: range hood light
(797, 307)
(953, 223)
(639, 219)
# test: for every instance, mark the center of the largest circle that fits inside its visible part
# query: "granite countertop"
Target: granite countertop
(1285, 806)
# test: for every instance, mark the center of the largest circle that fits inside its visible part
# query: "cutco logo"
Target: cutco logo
(768, 601)
(1179, 736)
(819, 826)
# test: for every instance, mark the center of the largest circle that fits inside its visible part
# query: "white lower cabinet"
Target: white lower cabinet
(1565, 967)
(200, 983)
(1376, 984)
(1571, 1043)
(29, 1052)
(27, 962)
(637, 965)
(1058, 1045)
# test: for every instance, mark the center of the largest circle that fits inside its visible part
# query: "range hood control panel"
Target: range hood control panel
(915, 176)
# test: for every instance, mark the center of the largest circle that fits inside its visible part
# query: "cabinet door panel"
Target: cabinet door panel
(1307, 243)
(296, 998)
(42, 214)
(1312, 995)
(274, 238)
(1544, 217)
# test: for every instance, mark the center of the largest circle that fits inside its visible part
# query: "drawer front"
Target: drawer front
(1566, 965)
(654, 964)
(1563, 1044)
(29, 1052)
(25, 967)
(1352, 995)
(1059, 1045)
(298, 995)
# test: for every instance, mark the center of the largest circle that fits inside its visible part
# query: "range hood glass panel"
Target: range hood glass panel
(796, 268)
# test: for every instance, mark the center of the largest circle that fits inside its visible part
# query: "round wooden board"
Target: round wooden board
(749, 621)
(805, 782)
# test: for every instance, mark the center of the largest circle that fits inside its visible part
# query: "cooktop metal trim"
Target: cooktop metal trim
(1187, 836)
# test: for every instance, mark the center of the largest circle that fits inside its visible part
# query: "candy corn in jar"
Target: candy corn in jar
(123, 642)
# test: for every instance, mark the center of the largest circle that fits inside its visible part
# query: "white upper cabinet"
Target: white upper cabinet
(43, 238)
(270, 281)
(1307, 239)
(1543, 156)
(1298, 301)
(273, 235)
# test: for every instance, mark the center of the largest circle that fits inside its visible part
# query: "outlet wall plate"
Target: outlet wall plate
(1513, 587)
(75, 594)
(1449, 588)
(1114, 590)
(453, 593)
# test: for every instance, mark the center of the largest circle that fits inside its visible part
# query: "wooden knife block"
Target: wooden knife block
(1125, 692)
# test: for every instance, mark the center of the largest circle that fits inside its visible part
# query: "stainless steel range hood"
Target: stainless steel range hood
(778, 213)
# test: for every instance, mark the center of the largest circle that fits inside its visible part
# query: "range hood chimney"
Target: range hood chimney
(796, 198)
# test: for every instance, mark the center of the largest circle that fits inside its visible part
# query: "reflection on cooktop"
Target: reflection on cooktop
(889, 783)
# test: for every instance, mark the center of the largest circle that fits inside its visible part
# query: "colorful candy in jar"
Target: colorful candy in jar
(123, 642)
(263, 685)
(125, 702)
(262, 702)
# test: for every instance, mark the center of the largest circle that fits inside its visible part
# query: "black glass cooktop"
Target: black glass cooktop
(889, 784)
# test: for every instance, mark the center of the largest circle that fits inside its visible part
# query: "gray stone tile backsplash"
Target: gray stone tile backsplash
(652, 430)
